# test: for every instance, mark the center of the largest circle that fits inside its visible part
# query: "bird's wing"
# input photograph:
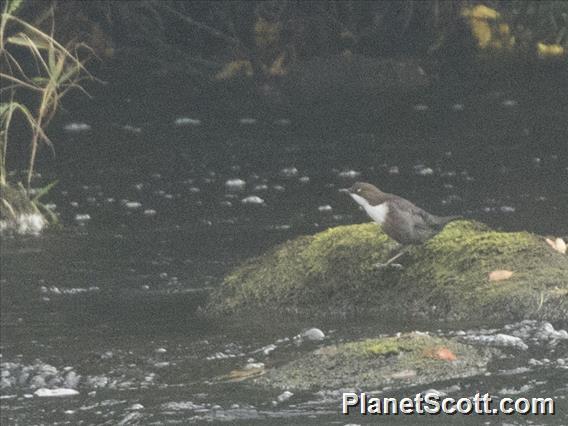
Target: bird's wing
(421, 217)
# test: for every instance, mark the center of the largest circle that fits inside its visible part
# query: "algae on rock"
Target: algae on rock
(400, 361)
(445, 278)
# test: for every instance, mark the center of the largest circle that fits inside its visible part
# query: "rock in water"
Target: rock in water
(445, 278)
(313, 334)
(44, 392)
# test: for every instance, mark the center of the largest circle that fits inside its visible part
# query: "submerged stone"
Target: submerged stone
(447, 277)
(406, 360)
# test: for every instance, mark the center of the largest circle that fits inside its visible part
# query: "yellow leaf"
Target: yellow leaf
(277, 67)
(235, 68)
(500, 275)
(549, 50)
(483, 12)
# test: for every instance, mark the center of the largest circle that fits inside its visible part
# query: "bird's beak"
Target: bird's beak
(345, 190)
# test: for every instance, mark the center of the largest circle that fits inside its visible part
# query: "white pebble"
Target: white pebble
(254, 365)
(252, 199)
(235, 184)
(289, 172)
(44, 392)
(313, 334)
(284, 396)
(132, 205)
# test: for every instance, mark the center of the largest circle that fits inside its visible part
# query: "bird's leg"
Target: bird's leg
(392, 259)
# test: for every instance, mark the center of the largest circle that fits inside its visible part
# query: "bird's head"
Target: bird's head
(362, 191)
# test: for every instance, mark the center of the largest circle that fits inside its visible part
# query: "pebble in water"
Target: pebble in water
(44, 392)
(254, 366)
(132, 205)
(285, 396)
(82, 217)
(235, 185)
(260, 187)
(289, 172)
(501, 340)
(422, 170)
(313, 334)
(252, 199)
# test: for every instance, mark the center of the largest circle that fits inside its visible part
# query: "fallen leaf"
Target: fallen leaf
(239, 375)
(500, 275)
(441, 353)
(558, 244)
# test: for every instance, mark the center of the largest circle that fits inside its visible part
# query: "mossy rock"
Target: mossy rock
(406, 360)
(445, 278)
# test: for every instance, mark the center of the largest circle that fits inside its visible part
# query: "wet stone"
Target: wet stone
(313, 334)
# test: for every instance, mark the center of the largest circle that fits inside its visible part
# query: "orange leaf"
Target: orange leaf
(441, 353)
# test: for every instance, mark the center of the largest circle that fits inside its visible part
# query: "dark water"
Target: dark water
(112, 296)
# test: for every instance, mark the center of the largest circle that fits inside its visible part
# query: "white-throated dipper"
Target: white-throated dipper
(400, 219)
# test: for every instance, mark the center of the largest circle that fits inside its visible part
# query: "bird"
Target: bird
(399, 218)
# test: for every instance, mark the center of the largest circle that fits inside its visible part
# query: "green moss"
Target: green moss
(385, 346)
(445, 278)
(412, 342)
(301, 272)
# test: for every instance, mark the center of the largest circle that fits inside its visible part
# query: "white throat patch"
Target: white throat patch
(378, 213)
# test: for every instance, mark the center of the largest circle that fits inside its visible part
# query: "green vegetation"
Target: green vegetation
(263, 40)
(38, 72)
(446, 278)
(409, 359)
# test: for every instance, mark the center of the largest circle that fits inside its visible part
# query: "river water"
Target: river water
(105, 304)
